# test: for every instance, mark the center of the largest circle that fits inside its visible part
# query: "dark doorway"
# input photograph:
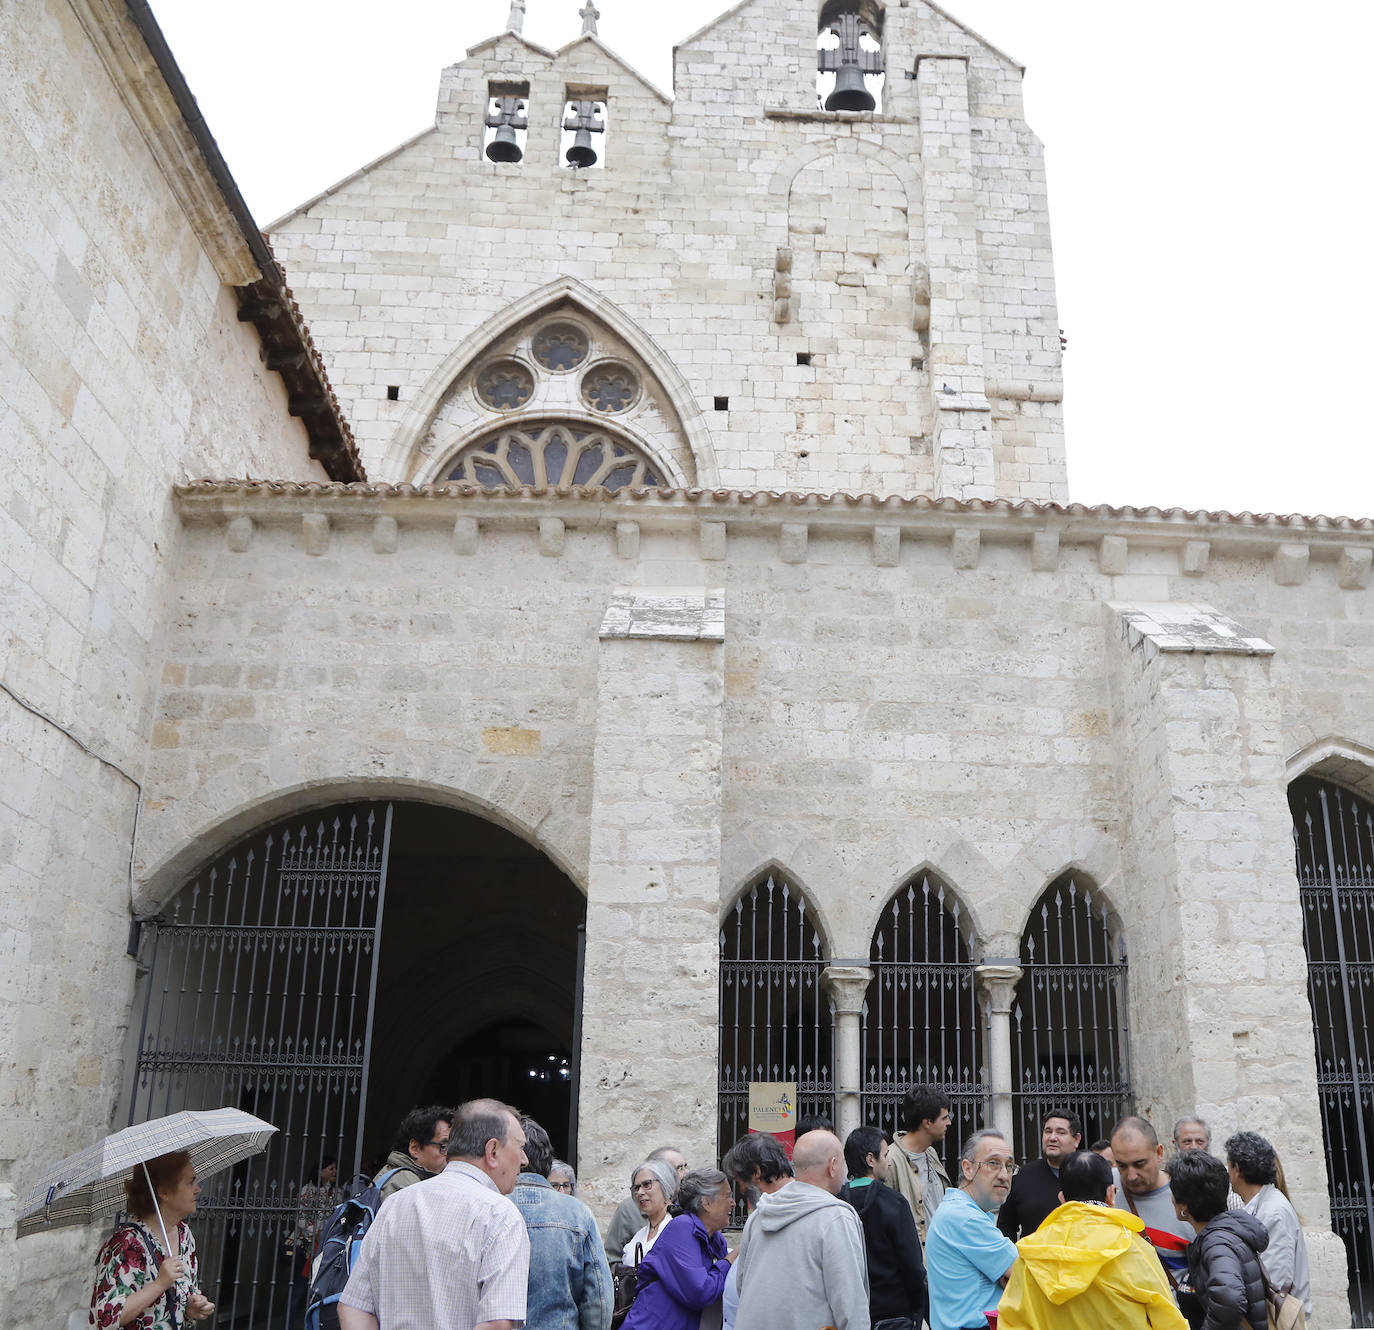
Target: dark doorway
(516, 1062)
(478, 971)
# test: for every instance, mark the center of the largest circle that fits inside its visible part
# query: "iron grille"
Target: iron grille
(923, 1022)
(776, 1022)
(1333, 834)
(258, 995)
(1070, 1046)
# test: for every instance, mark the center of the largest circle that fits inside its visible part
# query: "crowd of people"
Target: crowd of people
(869, 1233)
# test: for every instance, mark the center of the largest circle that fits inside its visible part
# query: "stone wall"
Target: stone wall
(854, 302)
(123, 368)
(903, 687)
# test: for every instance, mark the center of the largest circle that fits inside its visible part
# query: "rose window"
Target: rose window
(505, 385)
(610, 389)
(560, 347)
(554, 456)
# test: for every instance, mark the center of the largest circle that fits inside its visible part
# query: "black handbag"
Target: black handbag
(626, 1281)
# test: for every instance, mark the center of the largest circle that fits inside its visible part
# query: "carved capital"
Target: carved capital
(847, 986)
(998, 981)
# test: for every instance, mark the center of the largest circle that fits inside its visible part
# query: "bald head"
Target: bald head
(818, 1158)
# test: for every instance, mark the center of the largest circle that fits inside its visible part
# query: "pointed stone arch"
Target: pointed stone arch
(691, 462)
(1070, 1036)
(1341, 761)
(776, 1019)
(924, 1021)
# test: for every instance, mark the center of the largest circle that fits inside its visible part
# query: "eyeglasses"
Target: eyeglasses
(442, 1145)
(1008, 1166)
(645, 1186)
(562, 1186)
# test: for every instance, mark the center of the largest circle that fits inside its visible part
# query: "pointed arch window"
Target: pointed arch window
(924, 1022)
(776, 1020)
(1333, 838)
(1069, 1037)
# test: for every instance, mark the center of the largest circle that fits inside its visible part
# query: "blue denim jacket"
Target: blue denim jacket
(570, 1282)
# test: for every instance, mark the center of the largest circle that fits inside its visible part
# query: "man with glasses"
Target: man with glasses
(420, 1149)
(967, 1256)
(627, 1220)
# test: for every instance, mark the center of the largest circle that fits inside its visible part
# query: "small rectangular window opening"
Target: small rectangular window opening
(393, 392)
(507, 122)
(803, 357)
(582, 145)
(722, 403)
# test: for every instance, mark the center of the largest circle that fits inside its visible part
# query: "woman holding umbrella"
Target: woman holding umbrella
(147, 1270)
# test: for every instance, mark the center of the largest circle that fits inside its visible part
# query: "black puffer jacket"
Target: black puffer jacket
(1223, 1262)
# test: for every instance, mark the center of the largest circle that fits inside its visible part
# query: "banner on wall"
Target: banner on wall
(773, 1109)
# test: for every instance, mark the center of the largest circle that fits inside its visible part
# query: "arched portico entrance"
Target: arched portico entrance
(332, 971)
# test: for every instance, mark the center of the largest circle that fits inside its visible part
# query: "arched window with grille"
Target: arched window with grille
(776, 1022)
(1333, 836)
(924, 1021)
(1068, 1022)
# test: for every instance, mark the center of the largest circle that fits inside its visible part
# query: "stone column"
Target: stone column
(961, 417)
(1220, 1019)
(847, 986)
(997, 980)
(650, 989)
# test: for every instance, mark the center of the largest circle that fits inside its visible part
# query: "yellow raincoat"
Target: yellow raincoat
(1088, 1268)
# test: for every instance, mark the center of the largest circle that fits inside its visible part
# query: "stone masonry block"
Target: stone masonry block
(239, 534)
(466, 535)
(792, 539)
(964, 548)
(627, 540)
(1290, 564)
(315, 532)
(1045, 551)
(713, 541)
(1352, 572)
(1195, 557)
(887, 546)
(385, 535)
(1112, 554)
(552, 536)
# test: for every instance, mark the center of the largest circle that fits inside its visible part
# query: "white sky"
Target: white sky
(1209, 171)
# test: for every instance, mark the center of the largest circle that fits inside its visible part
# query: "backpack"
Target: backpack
(339, 1243)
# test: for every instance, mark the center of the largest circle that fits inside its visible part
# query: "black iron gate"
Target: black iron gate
(1333, 833)
(1069, 1039)
(776, 1022)
(258, 994)
(923, 1021)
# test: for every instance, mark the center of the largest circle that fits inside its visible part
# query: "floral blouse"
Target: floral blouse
(128, 1261)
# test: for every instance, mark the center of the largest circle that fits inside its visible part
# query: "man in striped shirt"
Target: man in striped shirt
(451, 1252)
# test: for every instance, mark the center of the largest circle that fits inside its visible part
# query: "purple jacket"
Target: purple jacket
(682, 1275)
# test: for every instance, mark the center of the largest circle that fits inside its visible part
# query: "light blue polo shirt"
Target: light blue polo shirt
(966, 1255)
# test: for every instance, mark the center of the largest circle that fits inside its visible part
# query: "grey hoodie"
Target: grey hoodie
(801, 1263)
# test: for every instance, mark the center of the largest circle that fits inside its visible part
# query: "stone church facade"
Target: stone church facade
(612, 633)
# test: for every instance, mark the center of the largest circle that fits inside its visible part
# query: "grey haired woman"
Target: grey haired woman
(654, 1186)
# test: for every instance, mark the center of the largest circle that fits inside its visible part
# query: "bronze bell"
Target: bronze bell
(850, 93)
(582, 153)
(504, 146)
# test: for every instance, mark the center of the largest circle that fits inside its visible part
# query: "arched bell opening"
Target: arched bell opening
(849, 56)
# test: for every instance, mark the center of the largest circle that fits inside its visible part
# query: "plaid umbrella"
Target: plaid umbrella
(89, 1186)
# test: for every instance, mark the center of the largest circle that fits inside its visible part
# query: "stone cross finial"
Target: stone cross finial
(516, 21)
(589, 14)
